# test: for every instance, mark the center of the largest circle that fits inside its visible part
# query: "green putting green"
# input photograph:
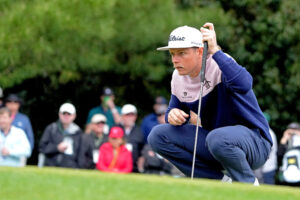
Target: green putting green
(32, 183)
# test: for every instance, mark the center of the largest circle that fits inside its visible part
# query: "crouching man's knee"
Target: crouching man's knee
(216, 143)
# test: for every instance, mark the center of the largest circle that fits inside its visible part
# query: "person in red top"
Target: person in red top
(113, 155)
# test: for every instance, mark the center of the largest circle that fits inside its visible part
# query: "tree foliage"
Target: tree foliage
(67, 50)
(92, 43)
(47, 47)
(62, 39)
(265, 39)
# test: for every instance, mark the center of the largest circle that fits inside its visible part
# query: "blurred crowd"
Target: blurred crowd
(112, 141)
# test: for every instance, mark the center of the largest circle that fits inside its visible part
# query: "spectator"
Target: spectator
(114, 156)
(290, 139)
(90, 143)
(1, 98)
(153, 163)
(158, 117)
(13, 103)
(107, 108)
(133, 134)
(266, 173)
(61, 139)
(14, 145)
(289, 155)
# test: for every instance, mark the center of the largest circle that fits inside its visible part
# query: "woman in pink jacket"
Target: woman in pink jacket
(113, 155)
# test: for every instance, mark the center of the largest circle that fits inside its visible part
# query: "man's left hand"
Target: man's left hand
(209, 35)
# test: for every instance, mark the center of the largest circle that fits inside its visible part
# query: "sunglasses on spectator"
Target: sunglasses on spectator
(66, 113)
(130, 114)
(98, 123)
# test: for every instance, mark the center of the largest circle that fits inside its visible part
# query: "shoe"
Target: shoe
(256, 183)
(226, 179)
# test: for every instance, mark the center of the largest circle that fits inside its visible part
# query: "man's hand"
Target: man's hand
(62, 147)
(193, 119)
(177, 117)
(209, 35)
(5, 151)
(288, 134)
(110, 103)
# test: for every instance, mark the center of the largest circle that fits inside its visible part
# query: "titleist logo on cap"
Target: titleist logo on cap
(176, 38)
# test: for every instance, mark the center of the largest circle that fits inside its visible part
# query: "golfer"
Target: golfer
(233, 135)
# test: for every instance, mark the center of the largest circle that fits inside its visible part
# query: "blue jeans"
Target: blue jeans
(237, 149)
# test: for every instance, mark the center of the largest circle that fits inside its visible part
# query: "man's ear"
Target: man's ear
(200, 50)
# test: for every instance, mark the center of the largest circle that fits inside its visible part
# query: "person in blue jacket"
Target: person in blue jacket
(234, 134)
(13, 103)
(157, 117)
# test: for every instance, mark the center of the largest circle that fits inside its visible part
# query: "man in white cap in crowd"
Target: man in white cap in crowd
(61, 139)
(133, 133)
(14, 145)
(91, 142)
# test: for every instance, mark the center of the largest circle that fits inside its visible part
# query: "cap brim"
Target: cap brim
(66, 111)
(170, 47)
(15, 100)
(96, 122)
(163, 48)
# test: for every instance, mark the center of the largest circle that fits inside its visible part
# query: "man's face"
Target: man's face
(66, 118)
(98, 128)
(129, 119)
(5, 121)
(13, 106)
(187, 61)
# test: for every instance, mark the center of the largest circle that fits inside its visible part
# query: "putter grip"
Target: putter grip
(204, 56)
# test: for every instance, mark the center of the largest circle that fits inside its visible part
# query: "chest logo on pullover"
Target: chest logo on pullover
(186, 96)
(206, 84)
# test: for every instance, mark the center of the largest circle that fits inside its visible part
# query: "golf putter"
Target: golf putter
(202, 78)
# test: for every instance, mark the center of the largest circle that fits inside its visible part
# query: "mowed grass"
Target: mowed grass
(32, 183)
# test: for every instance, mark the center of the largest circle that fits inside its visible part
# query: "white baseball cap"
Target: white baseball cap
(184, 37)
(98, 118)
(67, 107)
(128, 108)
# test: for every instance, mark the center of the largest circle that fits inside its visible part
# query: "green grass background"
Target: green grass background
(31, 183)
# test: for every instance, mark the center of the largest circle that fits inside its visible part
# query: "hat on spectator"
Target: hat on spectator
(67, 107)
(116, 132)
(184, 37)
(294, 125)
(14, 98)
(128, 108)
(107, 91)
(97, 118)
(161, 100)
